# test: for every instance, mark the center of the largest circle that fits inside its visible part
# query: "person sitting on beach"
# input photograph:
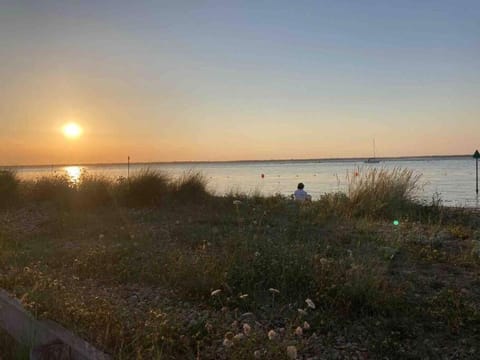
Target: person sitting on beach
(300, 194)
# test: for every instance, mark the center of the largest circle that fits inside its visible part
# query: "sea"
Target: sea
(450, 180)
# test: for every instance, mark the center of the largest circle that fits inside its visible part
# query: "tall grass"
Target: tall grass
(94, 191)
(56, 189)
(371, 193)
(191, 187)
(9, 187)
(144, 188)
(382, 192)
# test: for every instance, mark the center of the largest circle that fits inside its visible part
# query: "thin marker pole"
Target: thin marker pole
(477, 175)
(128, 168)
(476, 156)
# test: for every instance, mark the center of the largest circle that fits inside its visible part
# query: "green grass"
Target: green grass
(57, 189)
(9, 188)
(93, 192)
(176, 276)
(190, 187)
(144, 188)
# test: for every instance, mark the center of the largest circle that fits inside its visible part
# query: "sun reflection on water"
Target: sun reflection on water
(73, 172)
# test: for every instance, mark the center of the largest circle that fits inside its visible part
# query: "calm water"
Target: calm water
(452, 179)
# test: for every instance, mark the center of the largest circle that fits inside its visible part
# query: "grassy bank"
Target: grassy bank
(152, 267)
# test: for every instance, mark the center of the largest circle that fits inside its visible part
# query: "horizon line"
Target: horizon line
(385, 158)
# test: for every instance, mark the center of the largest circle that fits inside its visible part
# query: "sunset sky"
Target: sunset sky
(224, 80)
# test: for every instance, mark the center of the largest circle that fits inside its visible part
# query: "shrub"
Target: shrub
(145, 188)
(94, 191)
(9, 187)
(191, 187)
(380, 192)
(58, 189)
(333, 205)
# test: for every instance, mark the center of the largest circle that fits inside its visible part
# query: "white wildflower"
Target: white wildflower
(306, 325)
(324, 261)
(299, 331)
(292, 352)
(302, 312)
(247, 314)
(227, 343)
(216, 292)
(238, 337)
(247, 329)
(272, 335)
(244, 296)
(310, 303)
(236, 202)
(208, 327)
(274, 291)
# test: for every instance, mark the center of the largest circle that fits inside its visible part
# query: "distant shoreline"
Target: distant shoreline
(326, 160)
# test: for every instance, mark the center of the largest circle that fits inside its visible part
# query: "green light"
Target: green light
(396, 222)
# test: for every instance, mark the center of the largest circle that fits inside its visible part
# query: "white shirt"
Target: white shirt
(301, 195)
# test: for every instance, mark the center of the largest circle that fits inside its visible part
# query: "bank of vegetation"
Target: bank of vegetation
(155, 267)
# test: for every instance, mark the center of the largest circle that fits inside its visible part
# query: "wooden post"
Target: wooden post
(477, 175)
(476, 155)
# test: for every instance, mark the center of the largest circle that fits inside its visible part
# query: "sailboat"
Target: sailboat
(372, 160)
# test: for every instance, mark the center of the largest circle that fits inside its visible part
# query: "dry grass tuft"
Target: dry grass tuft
(382, 192)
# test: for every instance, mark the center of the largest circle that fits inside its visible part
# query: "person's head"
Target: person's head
(300, 186)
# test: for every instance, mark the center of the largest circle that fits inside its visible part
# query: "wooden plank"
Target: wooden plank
(43, 336)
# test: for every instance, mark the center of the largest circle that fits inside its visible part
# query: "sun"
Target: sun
(72, 130)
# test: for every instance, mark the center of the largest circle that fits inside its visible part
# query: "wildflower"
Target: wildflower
(274, 291)
(236, 202)
(306, 325)
(227, 343)
(216, 292)
(247, 329)
(244, 296)
(310, 303)
(208, 327)
(238, 337)
(247, 314)
(272, 335)
(299, 331)
(257, 354)
(292, 352)
(324, 261)
(302, 312)
(257, 254)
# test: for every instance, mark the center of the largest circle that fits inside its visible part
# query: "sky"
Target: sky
(227, 80)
